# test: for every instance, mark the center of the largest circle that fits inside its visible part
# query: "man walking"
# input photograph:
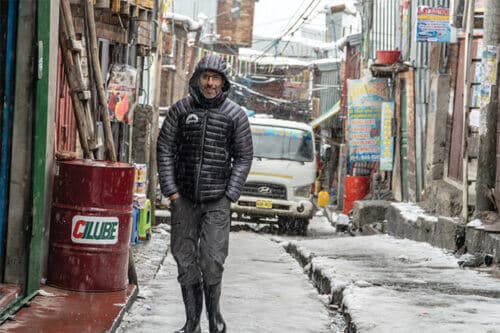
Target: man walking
(204, 156)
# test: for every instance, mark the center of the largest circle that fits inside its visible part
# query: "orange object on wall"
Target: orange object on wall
(355, 188)
(388, 57)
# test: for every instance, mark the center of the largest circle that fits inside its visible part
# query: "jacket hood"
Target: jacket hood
(214, 63)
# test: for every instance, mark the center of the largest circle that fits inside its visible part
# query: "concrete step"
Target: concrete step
(385, 284)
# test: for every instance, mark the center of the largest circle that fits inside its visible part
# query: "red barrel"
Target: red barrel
(355, 188)
(90, 225)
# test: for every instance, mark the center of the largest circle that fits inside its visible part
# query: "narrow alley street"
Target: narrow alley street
(322, 166)
(326, 281)
(264, 290)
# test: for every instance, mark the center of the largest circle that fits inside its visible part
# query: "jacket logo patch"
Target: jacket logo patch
(192, 119)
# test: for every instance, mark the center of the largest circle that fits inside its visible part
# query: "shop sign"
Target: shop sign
(94, 230)
(364, 104)
(121, 92)
(386, 140)
(433, 24)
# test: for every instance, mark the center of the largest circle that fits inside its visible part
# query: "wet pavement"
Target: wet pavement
(60, 311)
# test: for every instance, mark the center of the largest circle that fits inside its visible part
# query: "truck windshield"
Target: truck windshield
(282, 143)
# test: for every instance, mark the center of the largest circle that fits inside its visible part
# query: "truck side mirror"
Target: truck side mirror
(326, 152)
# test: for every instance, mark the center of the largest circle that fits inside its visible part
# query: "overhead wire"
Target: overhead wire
(275, 41)
(290, 19)
(306, 18)
(302, 16)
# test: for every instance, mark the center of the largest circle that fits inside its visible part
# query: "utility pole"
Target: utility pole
(366, 23)
(469, 26)
(152, 167)
(486, 168)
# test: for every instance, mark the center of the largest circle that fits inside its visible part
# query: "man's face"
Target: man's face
(210, 83)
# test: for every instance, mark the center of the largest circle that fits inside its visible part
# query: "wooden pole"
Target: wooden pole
(193, 56)
(488, 155)
(70, 41)
(73, 82)
(79, 87)
(153, 168)
(92, 40)
(466, 104)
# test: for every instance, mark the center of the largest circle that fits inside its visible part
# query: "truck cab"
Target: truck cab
(278, 188)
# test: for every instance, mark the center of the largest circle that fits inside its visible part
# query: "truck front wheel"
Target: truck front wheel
(293, 225)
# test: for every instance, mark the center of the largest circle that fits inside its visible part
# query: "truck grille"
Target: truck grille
(273, 191)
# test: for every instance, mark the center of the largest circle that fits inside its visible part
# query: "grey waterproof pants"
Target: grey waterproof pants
(200, 239)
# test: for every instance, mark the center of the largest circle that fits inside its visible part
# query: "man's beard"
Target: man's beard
(211, 96)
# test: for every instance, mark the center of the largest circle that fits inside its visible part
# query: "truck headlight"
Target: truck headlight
(302, 191)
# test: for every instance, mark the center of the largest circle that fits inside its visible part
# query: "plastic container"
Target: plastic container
(388, 57)
(144, 224)
(323, 198)
(355, 188)
(90, 225)
(135, 219)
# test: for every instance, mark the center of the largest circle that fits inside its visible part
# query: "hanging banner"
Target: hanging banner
(165, 7)
(121, 92)
(386, 141)
(433, 24)
(364, 107)
(479, 6)
(488, 72)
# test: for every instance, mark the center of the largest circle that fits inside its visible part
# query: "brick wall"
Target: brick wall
(235, 29)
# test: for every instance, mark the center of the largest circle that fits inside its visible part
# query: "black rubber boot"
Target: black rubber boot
(192, 296)
(216, 323)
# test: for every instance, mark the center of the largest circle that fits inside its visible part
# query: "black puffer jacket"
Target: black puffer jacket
(205, 146)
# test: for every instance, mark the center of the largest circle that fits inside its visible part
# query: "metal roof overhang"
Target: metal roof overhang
(327, 115)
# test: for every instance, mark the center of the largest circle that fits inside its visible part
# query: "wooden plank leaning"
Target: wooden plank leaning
(72, 79)
(83, 92)
(96, 67)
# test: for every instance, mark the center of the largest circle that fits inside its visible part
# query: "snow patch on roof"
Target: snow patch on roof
(258, 57)
(476, 223)
(280, 123)
(191, 24)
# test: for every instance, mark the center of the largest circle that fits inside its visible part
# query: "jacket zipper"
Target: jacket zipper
(204, 130)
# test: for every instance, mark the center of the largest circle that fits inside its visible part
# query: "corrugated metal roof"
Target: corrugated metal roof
(327, 64)
(354, 39)
(384, 26)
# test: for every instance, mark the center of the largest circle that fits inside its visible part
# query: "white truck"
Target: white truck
(278, 188)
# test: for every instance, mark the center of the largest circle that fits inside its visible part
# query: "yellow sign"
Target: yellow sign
(165, 7)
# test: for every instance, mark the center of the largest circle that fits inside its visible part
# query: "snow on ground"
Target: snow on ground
(476, 223)
(148, 255)
(412, 212)
(384, 309)
(264, 290)
(397, 285)
(320, 226)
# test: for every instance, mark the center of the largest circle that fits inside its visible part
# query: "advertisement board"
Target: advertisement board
(386, 141)
(365, 98)
(433, 24)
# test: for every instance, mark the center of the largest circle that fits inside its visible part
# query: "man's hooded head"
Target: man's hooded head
(209, 84)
